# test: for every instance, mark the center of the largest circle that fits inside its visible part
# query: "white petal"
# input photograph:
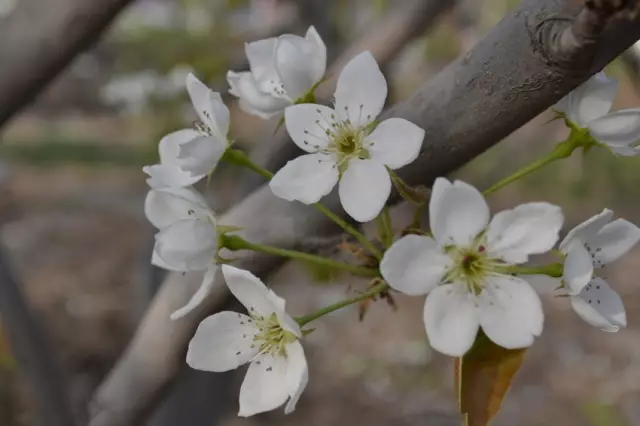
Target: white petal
(209, 279)
(587, 229)
(308, 124)
(530, 228)
(364, 189)
(395, 142)
(252, 99)
(156, 260)
(169, 146)
(626, 151)
(578, 268)
(222, 342)
(318, 60)
(592, 99)
(613, 241)
(261, 56)
(451, 319)
(297, 374)
(599, 305)
(300, 62)
(187, 244)
(249, 290)
(165, 206)
(361, 90)
(209, 106)
(265, 386)
(619, 128)
(414, 265)
(168, 176)
(307, 179)
(458, 212)
(200, 156)
(510, 312)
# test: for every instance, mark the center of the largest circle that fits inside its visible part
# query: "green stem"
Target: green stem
(385, 230)
(239, 158)
(553, 270)
(350, 229)
(562, 150)
(234, 242)
(373, 291)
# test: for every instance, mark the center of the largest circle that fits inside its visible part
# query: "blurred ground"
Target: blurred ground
(73, 192)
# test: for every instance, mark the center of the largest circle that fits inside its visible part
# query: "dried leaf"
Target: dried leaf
(482, 378)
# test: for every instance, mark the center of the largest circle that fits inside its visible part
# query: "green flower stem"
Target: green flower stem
(385, 230)
(234, 242)
(553, 270)
(562, 150)
(239, 158)
(373, 291)
(350, 229)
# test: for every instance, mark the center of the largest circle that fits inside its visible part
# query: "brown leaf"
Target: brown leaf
(482, 378)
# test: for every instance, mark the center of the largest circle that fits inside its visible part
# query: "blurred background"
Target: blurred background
(74, 230)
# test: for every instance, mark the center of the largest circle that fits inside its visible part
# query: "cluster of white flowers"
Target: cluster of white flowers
(467, 264)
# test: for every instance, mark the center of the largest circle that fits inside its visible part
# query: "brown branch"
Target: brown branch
(40, 38)
(35, 357)
(495, 88)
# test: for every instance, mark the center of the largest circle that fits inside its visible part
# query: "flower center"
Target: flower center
(271, 337)
(471, 265)
(346, 142)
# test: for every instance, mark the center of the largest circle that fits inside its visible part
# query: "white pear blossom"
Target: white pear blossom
(340, 146)
(187, 239)
(592, 244)
(588, 108)
(186, 156)
(283, 70)
(464, 268)
(267, 338)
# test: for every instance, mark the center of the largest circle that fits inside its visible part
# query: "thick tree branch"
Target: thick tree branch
(502, 83)
(36, 359)
(40, 38)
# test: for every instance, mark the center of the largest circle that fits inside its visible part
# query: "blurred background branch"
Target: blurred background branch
(39, 39)
(36, 358)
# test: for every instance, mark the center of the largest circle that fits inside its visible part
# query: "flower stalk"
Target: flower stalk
(562, 150)
(373, 291)
(239, 158)
(234, 243)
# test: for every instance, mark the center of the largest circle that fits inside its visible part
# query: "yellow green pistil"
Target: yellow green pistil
(271, 338)
(346, 142)
(471, 266)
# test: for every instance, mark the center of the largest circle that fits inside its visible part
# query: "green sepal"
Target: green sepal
(418, 196)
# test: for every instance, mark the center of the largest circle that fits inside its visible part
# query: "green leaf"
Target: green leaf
(482, 378)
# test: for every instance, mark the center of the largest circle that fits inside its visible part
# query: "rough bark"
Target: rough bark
(40, 38)
(519, 69)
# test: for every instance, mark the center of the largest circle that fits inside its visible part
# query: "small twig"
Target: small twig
(32, 350)
(569, 45)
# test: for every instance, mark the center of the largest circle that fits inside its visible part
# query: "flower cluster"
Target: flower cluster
(468, 264)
